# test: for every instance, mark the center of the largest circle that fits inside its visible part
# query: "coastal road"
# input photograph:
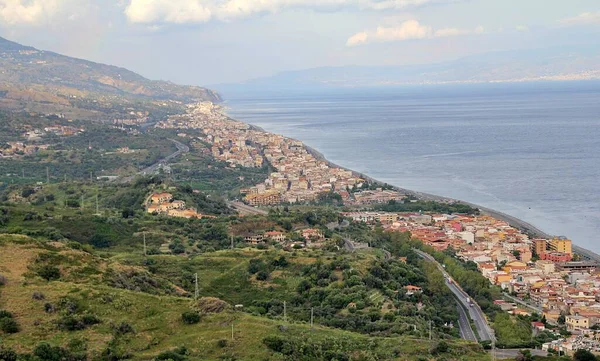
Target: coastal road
(466, 332)
(523, 303)
(484, 331)
(181, 148)
(246, 209)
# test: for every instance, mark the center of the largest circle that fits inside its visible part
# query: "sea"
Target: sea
(531, 150)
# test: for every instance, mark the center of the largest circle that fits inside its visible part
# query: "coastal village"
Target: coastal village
(299, 175)
(537, 275)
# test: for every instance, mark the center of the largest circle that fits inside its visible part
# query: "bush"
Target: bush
(49, 273)
(222, 343)
(8, 325)
(178, 354)
(3, 280)
(47, 352)
(38, 296)
(70, 323)
(123, 328)
(5, 314)
(90, 320)
(190, 317)
(7, 354)
(262, 275)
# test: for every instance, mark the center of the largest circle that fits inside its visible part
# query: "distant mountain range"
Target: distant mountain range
(43, 81)
(510, 66)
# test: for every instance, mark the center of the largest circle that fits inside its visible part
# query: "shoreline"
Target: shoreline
(515, 222)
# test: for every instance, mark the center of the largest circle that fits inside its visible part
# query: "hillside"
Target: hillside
(46, 82)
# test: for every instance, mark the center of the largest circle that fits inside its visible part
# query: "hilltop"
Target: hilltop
(47, 82)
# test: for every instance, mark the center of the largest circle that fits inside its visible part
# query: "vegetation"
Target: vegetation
(427, 206)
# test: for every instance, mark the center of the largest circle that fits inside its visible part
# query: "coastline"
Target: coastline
(515, 222)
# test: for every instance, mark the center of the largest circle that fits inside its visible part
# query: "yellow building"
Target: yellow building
(561, 244)
(539, 246)
(577, 322)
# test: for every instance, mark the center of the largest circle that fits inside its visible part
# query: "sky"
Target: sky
(204, 42)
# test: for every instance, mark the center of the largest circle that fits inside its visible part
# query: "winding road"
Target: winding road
(181, 148)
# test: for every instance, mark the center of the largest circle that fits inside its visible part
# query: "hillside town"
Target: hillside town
(537, 275)
(299, 176)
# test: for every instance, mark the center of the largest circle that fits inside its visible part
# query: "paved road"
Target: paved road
(466, 332)
(526, 304)
(181, 148)
(484, 331)
(512, 353)
(246, 209)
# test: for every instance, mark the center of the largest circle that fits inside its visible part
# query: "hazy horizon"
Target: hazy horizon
(203, 42)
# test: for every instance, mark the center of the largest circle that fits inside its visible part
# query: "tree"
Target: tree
(49, 273)
(190, 317)
(524, 355)
(584, 355)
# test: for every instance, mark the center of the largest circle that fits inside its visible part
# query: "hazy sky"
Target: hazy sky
(214, 41)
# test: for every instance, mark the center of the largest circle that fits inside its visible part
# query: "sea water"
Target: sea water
(528, 150)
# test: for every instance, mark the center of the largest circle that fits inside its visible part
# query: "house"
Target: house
(254, 240)
(411, 290)
(312, 234)
(275, 236)
(577, 322)
(161, 198)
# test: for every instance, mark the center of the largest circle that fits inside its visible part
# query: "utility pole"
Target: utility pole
(145, 251)
(91, 178)
(232, 331)
(82, 207)
(65, 177)
(97, 206)
(47, 175)
(231, 241)
(284, 312)
(312, 317)
(196, 292)
(23, 173)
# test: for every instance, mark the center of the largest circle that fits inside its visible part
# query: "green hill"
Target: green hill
(46, 82)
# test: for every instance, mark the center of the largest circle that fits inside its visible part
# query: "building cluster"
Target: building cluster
(19, 149)
(542, 274)
(163, 203)
(299, 176)
(310, 237)
(35, 134)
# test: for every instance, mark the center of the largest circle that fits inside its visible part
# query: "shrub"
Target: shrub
(7, 354)
(49, 273)
(222, 343)
(8, 325)
(5, 314)
(49, 308)
(190, 317)
(70, 323)
(90, 320)
(3, 280)
(262, 275)
(38, 296)
(123, 328)
(47, 352)
(178, 354)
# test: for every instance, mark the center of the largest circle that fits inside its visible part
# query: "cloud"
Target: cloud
(357, 39)
(408, 30)
(198, 11)
(167, 11)
(31, 12)
(588, 18)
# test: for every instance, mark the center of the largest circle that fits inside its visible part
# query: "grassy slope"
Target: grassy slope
(156, 319)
